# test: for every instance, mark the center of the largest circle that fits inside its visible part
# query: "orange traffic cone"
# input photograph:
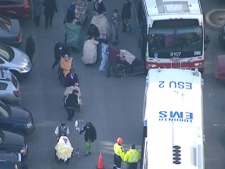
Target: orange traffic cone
(100, 162)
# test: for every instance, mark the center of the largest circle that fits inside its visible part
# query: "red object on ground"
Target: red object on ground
(100, 162)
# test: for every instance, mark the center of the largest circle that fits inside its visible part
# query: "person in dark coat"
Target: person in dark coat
(30, 47)
(71, 79)
(90, 136)
(59, 51)
(49, 11)
(99, 7)
(70, 15)
(37, 9)
(93, 31)
(126, 13)
(72, 104)
(113, 59)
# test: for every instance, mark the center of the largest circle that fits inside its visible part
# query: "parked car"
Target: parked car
(16, 119)
(220, 68)
(10, 31)
(9, 88)
(19, 9)
(12, 142)
(222, 36)
(11, 161)
(15, 60)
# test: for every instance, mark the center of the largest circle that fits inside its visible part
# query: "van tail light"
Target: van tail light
(17, 37)
(16, 93)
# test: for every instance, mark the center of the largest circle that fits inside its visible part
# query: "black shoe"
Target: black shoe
(69, 119)
(108, 76)
(86, 155)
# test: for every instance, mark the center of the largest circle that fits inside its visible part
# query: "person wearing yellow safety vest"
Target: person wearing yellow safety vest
(118, 153)
(132, 157)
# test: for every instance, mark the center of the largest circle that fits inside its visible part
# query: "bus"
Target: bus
(172, 34)
(173, 134)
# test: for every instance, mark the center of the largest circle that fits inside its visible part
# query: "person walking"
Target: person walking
(105, 53)
(113, 59)
(59, 51)
(126, 14)
(30, 47)
(132, 157)
(37, 8)
(71, 79)
(90, 136)
(115, 19)
(62, 130)
(118, 153)
(49, 11)
(72, 104)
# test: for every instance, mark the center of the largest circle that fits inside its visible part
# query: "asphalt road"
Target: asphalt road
(113, 105)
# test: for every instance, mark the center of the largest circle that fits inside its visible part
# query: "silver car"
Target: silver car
(15, 60)
(9, 88)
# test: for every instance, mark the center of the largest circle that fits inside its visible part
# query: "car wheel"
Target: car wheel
(20, 132)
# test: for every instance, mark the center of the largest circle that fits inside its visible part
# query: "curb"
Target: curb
(208, 21)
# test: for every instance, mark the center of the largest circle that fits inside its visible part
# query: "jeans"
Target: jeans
(88, 147)
(132, 165)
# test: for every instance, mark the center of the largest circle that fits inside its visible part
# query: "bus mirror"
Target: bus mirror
(206, 42)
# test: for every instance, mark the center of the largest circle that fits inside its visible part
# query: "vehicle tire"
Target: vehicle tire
(17, 74)
(20, 132)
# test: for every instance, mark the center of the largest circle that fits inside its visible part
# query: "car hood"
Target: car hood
(19, 114)
(12, 139)
(15, 29)
(20, 58)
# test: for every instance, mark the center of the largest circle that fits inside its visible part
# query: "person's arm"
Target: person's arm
(67, 131)
(83, 129)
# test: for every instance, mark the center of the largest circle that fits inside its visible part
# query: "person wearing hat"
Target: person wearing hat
(62, 130)
(59, 51)
(90, 136)
(118, 153)
(30, 47)
(132, 157)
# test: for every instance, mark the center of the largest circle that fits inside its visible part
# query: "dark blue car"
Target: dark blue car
(16, 119)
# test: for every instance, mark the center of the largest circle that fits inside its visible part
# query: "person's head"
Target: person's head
(63, 125)
(72, 71)
(119, 140)
(32, 35)
(75, 91)
(89, 124)
(66, 57)
(132, 146)
(60, 46)
(115, 12)
(65, 140)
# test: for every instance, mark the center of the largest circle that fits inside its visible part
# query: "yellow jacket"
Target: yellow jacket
(132, 156)
(119, 150)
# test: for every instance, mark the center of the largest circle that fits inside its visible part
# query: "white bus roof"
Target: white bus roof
(162, 7)
(174, 119)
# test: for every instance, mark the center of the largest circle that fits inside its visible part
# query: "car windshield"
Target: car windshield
(181, 39)
(5, 23)
(4, 110)
(6, 52)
